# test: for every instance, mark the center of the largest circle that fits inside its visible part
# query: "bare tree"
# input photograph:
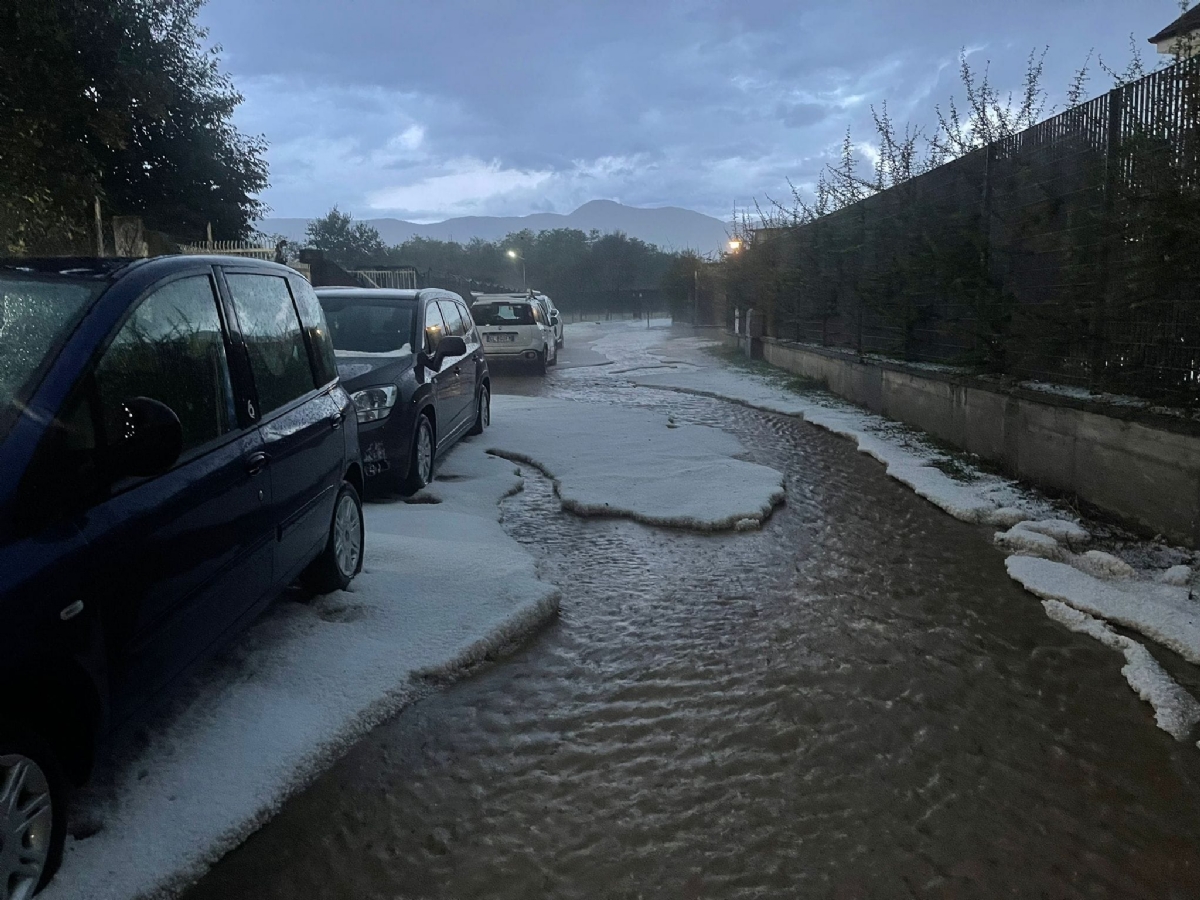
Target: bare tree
(989, 114)
(1134, 69)
(1077, 90)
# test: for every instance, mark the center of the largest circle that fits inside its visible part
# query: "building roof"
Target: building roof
(1188, 22)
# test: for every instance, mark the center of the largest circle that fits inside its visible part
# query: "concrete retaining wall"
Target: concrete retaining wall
(1141, 468)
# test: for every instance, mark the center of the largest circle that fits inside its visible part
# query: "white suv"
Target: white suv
(515, 326)
(555, 317)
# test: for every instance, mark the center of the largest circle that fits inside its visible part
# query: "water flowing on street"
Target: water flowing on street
(854, 701)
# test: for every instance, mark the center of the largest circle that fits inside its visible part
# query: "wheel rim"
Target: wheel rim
(485, 409)
(424, 454)
(347, 536)
(26, 823)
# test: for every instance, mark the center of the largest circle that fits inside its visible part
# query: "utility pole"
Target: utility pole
(695, 295)
(99, 229)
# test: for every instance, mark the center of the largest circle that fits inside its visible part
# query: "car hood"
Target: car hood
(352, 365)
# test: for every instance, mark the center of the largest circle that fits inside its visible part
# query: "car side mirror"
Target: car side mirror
(451, 345)
(150, 441)
(553, 318)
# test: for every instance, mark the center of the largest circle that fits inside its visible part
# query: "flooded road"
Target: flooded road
(854, 702)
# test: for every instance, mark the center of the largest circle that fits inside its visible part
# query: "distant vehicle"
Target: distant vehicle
(555, 318)
(516, 326)
(414, 365)
(175, 448)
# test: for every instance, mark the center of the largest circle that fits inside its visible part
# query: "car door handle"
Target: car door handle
(256, 462)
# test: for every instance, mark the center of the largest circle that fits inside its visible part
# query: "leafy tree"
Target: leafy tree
(346, 242)
(563, 262)
(117, 100)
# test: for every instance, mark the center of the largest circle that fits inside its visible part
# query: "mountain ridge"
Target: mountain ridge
(669, 227)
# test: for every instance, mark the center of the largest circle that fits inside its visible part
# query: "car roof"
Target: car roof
(398, 294)
(349, 293)
(85, 267)
(505, 298)
(111, 269)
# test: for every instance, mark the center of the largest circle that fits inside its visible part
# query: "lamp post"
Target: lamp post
(513, 254)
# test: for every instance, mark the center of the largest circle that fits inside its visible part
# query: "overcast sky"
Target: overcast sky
(430, 110)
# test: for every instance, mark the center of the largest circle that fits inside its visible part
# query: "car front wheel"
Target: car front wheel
(342, 557)
(420, 467)
(33, 814)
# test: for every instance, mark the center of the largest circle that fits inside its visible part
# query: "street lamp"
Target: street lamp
(735, 245)
(515, 255)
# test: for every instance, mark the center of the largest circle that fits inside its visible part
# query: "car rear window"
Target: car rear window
(502, 314)
(368, 328)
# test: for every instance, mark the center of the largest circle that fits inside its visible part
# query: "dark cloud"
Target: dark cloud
(800, 115)
(505, 107)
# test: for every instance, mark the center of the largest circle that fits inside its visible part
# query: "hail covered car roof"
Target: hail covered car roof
(71, 266)
(502, 298)
(374, 293)
(110, 268)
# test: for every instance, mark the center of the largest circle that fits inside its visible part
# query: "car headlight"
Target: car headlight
(374, 403)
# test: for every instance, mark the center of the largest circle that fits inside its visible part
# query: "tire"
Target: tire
(553, 359)
(342, 557)
(540, 365)
(483, 411)
(25, 755)
(562, 342)
(420, 469)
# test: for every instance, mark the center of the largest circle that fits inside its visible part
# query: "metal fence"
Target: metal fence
(1067, 253)
(230, 248)
(400, 278)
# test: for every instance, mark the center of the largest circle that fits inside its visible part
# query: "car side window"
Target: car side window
(470, 333)
(312, 317)
(435, 328)
(274, 341)
(452, 318)
(172, 349)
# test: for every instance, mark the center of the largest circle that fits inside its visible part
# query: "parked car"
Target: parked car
(555, 318)
(516, 326)
(415, 367)
(175, 448)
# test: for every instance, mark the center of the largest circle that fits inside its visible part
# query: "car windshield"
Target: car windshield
(36, 317)
(364, 328)
(502, 314)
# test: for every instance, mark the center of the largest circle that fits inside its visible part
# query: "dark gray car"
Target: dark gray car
(414, 365)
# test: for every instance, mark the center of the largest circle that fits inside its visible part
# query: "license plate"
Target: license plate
(500, 338)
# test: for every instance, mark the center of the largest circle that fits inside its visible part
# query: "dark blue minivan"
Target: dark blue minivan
(175, 449)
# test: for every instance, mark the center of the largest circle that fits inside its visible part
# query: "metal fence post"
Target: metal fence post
(1097, 376)
(985, 261)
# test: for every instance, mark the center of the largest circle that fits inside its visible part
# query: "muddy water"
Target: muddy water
(854, 702)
